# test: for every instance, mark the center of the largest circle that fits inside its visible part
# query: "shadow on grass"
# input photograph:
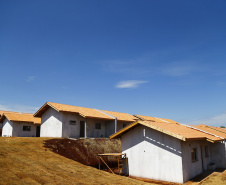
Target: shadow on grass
(205, 174)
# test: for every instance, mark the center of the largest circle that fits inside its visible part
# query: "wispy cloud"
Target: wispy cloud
(179, 69)
(129, 84)
(30, 78)
(138, 66)
(19, 108)
(218, 120)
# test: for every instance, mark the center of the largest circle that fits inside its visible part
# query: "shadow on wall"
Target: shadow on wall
(142, 133)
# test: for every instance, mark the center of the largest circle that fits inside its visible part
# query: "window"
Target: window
(206, 151)
(98, 126)
(72, 122)
(194, 156)
(26, 128)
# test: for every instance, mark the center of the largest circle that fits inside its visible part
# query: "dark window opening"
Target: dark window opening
(98, 126)
(72, 122)
(26, 128)
(194, 156)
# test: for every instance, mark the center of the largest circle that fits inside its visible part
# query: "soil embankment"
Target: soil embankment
(86, 151)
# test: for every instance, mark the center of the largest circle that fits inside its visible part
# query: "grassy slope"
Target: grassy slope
(26, 161)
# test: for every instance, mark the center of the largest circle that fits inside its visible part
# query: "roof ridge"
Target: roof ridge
(117, 112)
(162, 119)
(71, 105)
(106, 114)
(215, 129)
(202, 131)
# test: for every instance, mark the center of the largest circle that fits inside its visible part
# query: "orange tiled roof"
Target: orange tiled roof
(121, 116)
(83, 111)
(23, 117)
(149, 118)
(213, 130)
(175, 130)
(3, 111)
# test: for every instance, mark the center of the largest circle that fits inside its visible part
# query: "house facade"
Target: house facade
(68, 121)
(20, 125)
(166, 151)
(217, 150)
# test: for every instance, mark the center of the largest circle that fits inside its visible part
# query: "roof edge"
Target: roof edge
(119, 133)
(39, 112)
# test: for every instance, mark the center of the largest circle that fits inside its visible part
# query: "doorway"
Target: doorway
(202, 158)
(82, 128)
(37, 131)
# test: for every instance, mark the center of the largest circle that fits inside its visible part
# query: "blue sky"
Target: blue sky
(158, 58)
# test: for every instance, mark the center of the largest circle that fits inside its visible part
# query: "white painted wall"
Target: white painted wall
(95, 133)
(192, 169)
(51, 123)
(71, 131)
(57, 124)
(153, 155)
(7, 129)
(218, 153)
(15, 129)
(18, 130)
(109, 128)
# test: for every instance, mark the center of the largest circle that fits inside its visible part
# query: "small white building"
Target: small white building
(1, 114)
(217, 150)
(167, 151)
(20, 125)
(68, 121)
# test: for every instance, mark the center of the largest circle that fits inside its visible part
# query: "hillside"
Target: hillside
(27, 161)
(49, 161)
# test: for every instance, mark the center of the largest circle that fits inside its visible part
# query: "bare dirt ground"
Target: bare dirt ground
(52, 161)
(86, 151)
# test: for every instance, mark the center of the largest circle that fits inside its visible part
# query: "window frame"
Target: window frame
(72, 122)
(26, 128)
(98, 126)
(194, 155)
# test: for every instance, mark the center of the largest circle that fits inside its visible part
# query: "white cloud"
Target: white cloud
(129, 84)
(19, 108)
(218, 120)
(30, 78)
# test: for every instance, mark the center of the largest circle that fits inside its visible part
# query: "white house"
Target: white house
(217, 150)
(20, 125)
(60, 120)
(167, 151)
(1, 114)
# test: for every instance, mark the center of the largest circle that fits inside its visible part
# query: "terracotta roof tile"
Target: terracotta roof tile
(83, 111)
(121, 116)
(176, 130)
(21, 117)
(149, 118)
(3, 111)
(213, 130)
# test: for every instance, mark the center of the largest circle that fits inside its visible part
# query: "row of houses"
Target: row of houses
(67, 121)
(155, 148)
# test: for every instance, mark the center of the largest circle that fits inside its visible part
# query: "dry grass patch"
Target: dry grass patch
(26, 161)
